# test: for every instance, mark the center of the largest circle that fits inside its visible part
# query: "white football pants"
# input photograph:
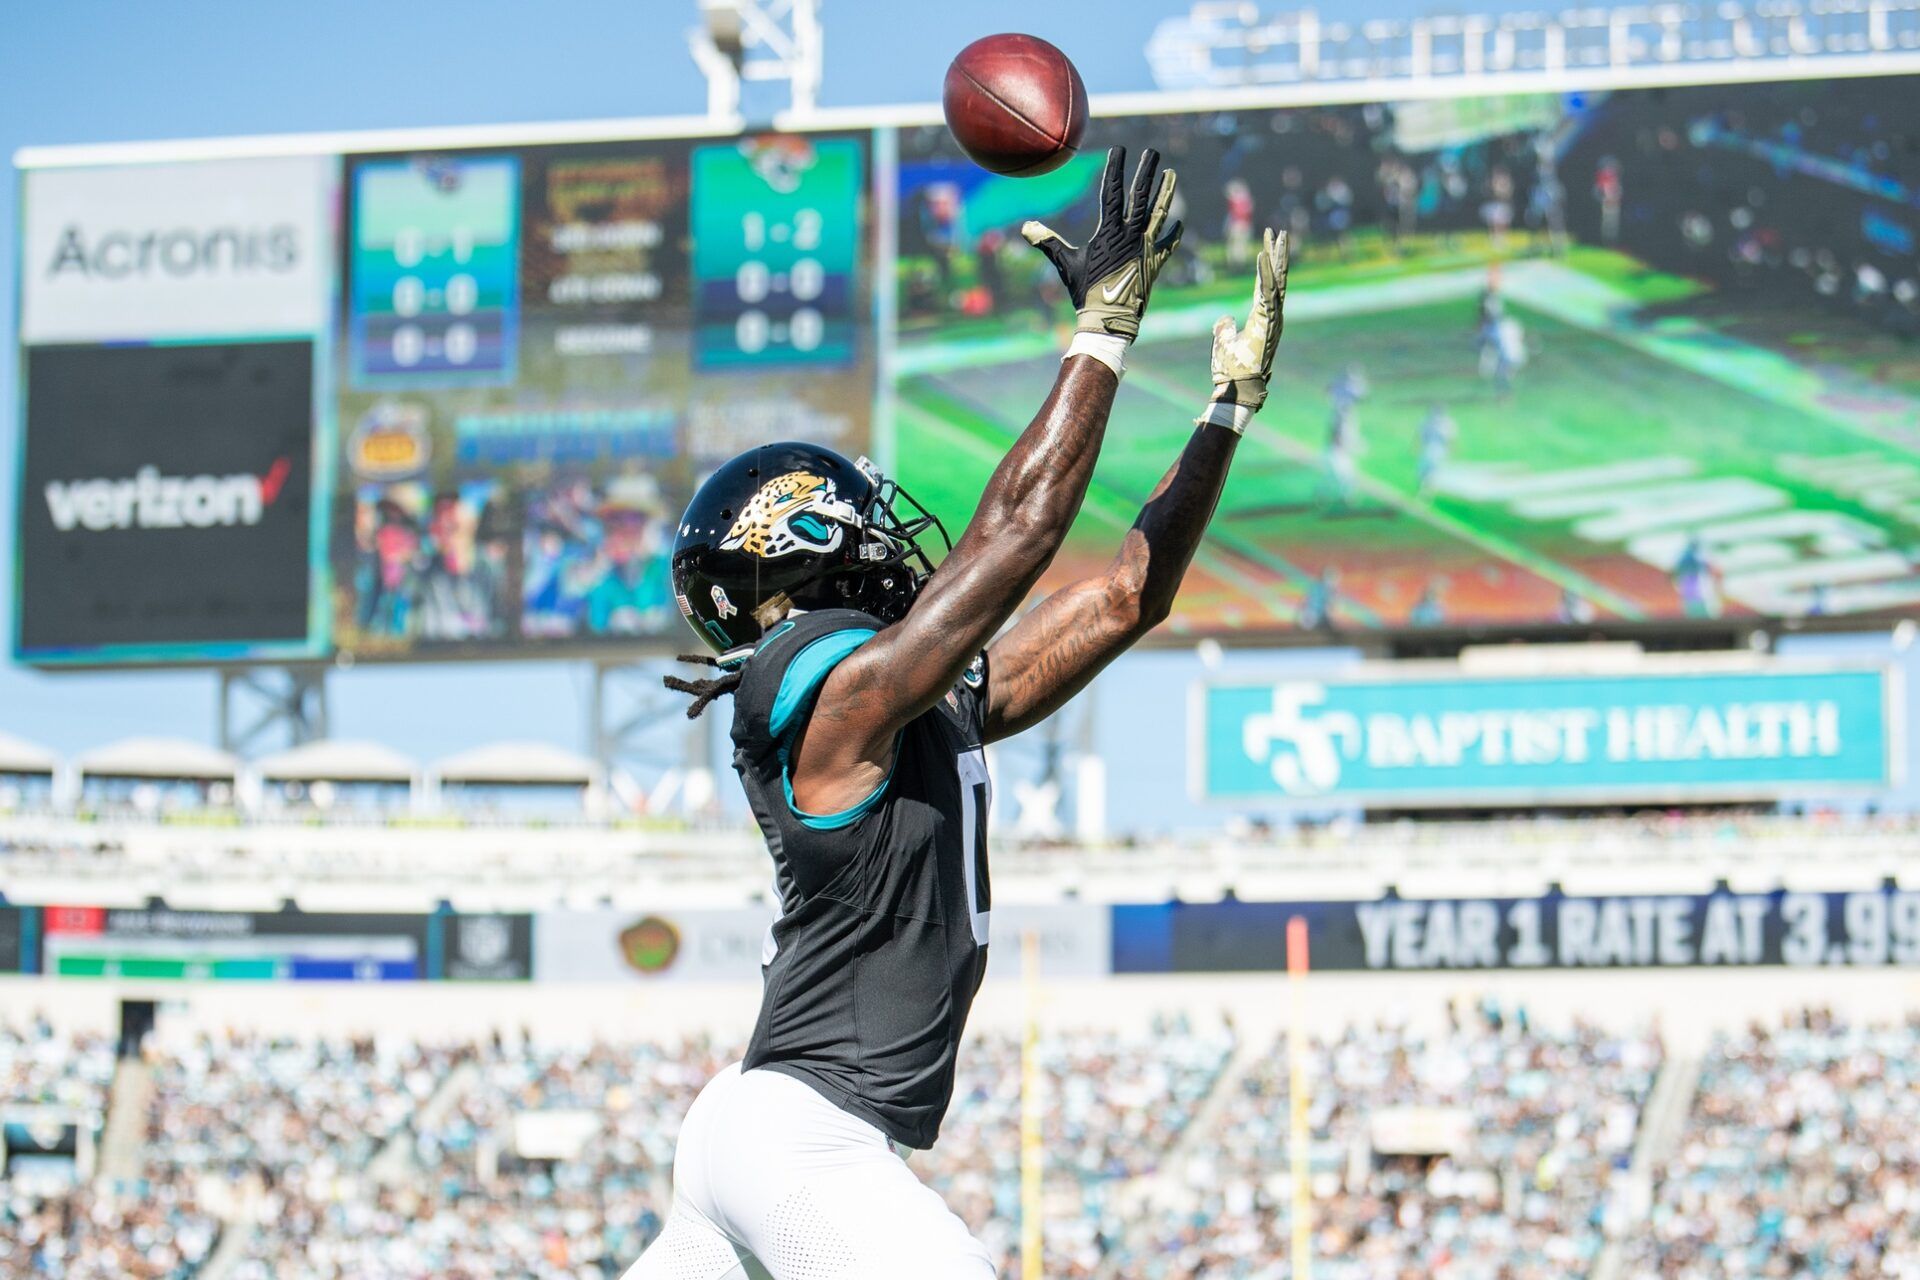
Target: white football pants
(771, 1179)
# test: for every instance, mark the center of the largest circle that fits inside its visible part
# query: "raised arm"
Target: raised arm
(1029, 504)
(1074, 633)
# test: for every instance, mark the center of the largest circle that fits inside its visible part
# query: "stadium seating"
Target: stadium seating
(1544, 1119)
(1114, 1107)
(151, 1231)
(1801, 1157)
(340, 864)
(1490, 1151)
(155, 1233)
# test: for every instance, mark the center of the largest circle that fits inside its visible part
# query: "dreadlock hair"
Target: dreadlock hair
(705, 692)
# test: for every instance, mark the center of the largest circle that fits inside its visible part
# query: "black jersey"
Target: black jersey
(881, 941)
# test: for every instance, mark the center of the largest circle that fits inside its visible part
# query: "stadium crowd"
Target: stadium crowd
(41, 1067)
(1801, 1158)
(549, 1162)
(156, 1231)
(1516, 1191)
(1488, 1151)
(49, 1230)
(1113, 1108)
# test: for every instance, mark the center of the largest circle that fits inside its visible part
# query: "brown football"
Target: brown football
(1015, 104)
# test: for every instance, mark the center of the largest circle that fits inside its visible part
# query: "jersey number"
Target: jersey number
(976, 793)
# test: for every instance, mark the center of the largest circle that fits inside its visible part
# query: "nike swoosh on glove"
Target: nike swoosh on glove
(1110, 277)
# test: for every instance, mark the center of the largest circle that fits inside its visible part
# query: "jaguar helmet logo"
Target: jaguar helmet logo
(791, 513)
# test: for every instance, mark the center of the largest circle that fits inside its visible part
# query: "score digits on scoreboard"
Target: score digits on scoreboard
(435, 262)
(776, 223)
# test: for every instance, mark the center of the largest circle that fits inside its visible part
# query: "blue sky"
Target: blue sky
(112, 70)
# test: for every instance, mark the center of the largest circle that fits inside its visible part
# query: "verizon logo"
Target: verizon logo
(150, 500)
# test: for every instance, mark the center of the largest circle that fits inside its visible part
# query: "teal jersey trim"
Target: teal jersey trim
(767, 640)
(798, 685)
(808, 671)
(846, 817)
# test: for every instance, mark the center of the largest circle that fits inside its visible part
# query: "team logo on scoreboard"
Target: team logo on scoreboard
(391, 442)
(650, 945)
(794, 512)
(440, 173)
(780, 161)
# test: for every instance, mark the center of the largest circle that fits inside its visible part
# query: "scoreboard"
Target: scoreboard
(776, 248)
(542, 350)
(435, 258)
(416, 402)
(439, 395)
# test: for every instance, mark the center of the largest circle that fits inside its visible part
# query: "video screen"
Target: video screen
(167, 499)
(1551, 360)
(543, 350)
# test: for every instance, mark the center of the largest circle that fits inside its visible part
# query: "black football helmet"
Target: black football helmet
(796, 526)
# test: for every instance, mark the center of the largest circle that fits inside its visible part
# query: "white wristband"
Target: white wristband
(1234, 417)
(1108, 348)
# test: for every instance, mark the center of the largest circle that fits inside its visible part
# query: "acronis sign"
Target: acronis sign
(1444, 737)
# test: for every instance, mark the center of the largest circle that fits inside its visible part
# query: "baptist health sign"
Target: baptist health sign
(1641, 737)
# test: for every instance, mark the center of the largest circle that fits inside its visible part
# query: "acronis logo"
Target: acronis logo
(177, 252)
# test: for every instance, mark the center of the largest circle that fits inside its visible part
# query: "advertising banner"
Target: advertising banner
(238, 946)
(484, 948)
(12, 939)
(1453, 738)
(611, 945)
(726, 945)
(167, 503)
(1076, 940)
(1719, 930)
(210, 249)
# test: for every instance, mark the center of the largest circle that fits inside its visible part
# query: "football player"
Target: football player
(865, 688)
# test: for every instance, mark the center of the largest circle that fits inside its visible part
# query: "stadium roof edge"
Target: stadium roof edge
(147, 757)
(17, 755)
(517, 762)
(1310, 93)
(338, 760)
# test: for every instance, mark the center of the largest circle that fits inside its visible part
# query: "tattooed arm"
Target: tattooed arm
(1074, 633)
(845, 749)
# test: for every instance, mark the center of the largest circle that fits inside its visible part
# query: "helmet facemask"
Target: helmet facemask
(891, 565)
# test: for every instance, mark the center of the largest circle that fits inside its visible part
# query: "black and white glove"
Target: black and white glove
(1110, 277)
(1243, 358)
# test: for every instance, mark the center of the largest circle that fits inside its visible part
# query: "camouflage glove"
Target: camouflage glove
(1243, 358)
(1110, 277)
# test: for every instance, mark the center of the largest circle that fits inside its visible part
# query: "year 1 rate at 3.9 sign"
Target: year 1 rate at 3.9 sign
(776, 233)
